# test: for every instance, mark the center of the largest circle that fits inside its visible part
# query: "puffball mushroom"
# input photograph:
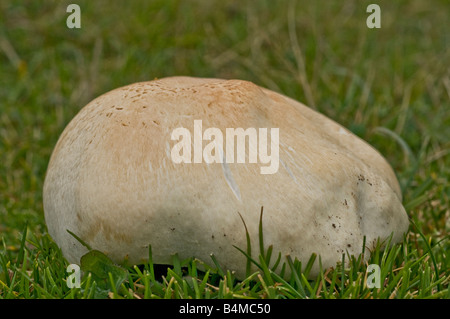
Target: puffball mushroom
(120, 180)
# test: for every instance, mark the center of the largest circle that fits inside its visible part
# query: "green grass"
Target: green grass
(390, 86)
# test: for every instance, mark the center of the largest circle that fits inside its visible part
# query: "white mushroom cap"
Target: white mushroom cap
(112, 182)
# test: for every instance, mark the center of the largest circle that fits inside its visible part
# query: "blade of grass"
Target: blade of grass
(295, 276)
(79, 240)
(249, 248)
(218, 267)
(260, 233)
(289, 287)
(22, 246)
(430, 251)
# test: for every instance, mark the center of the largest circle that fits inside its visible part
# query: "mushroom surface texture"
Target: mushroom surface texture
(179, 163)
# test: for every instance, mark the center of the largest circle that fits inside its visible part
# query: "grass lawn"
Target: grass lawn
(390, 86)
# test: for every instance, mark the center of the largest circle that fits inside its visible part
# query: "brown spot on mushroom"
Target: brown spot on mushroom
(106, 228)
